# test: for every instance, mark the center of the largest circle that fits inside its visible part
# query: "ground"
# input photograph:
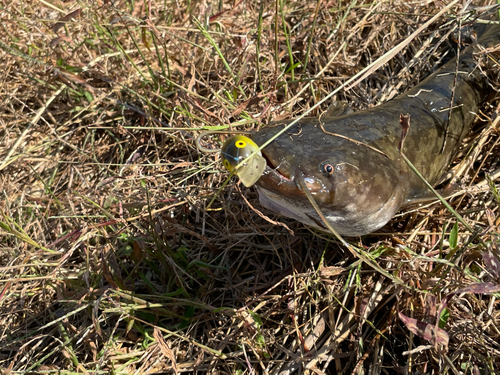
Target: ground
(122, 250)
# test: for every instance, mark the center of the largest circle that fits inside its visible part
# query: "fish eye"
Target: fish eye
(327, 168)
(240, 144)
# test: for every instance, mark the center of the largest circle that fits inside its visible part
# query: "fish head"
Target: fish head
(356, 188)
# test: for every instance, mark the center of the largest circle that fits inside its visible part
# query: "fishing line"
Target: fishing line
(210, 132)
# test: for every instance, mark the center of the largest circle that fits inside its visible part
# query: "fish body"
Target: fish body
(360, 180)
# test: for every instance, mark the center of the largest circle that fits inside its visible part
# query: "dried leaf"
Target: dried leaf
(247, 103)
(192, 81)
(62, 21)
(95, 317)
(68, 77)
(430, 307)
(217, 15)
(165, 349)
(492, 263)
(106, 273)
(54, 42)
(311, 339)
(137, 154)
(107, 180)
(472, 288)
(112, 273)
(405, 127)
(427, 331)
(490, 215)
(93, 349)
(137, 251)
(327, 272)
(144, 38)
(479, 288)
(199, 359)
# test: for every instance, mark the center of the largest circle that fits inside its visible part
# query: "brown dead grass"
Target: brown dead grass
(111, 261)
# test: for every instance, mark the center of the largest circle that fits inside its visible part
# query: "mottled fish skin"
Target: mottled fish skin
(358, 189)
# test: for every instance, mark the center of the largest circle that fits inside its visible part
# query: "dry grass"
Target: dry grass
(111, 259)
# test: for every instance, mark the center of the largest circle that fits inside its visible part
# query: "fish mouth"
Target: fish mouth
(277, 176)
(280, 178)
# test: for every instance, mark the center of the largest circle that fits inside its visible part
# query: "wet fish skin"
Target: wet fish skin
(358, 189)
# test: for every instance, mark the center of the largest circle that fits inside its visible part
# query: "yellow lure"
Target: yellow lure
(239, 148)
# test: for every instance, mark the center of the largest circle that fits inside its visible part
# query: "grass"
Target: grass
(123, 251)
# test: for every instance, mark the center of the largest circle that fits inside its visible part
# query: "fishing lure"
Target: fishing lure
(238, 149)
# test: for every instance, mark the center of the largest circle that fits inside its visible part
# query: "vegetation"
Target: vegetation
(123, 251)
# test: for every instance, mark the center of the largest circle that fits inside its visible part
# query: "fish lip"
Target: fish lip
(278, 182)
(278, 178)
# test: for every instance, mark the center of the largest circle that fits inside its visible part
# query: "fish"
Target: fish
(351, 164)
